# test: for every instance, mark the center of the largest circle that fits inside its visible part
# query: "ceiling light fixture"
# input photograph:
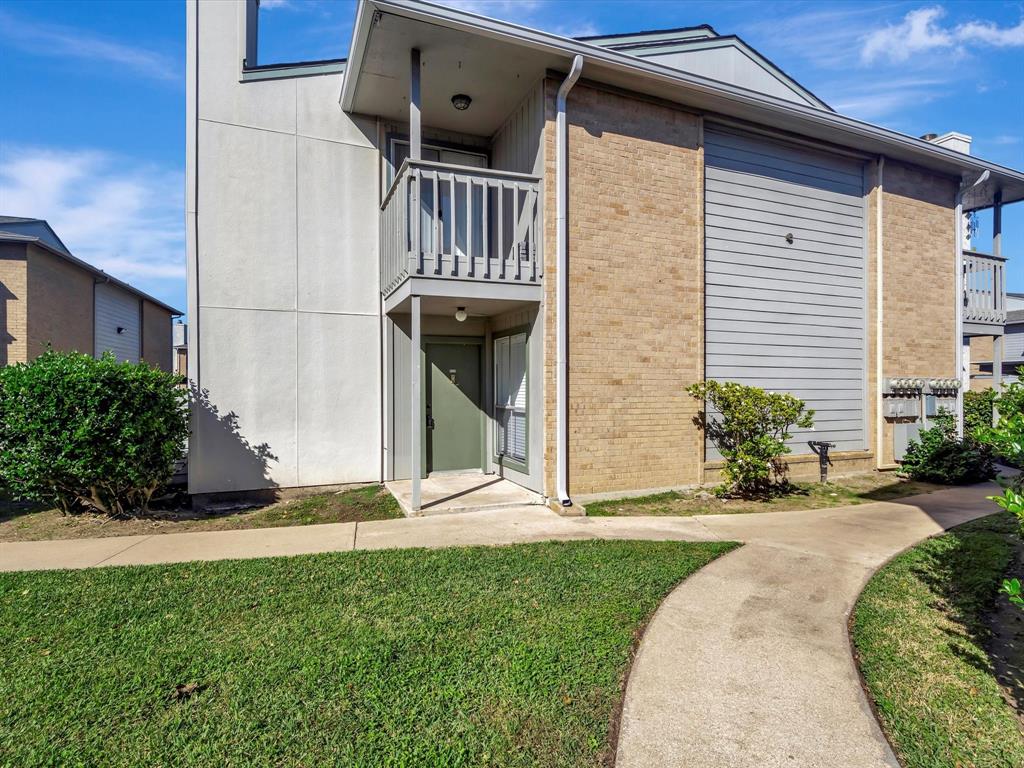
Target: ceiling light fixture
(460, 314)
(461, 102)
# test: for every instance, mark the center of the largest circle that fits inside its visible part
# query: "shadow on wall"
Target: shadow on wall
(6, 339)
(238, 464)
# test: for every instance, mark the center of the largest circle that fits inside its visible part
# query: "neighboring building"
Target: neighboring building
(385, 280)
(179, 342)
(49, 297)
(1012, 353)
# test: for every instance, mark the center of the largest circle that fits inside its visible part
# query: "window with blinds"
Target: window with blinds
(510, 396)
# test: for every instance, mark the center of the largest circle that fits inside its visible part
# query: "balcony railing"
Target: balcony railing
(457, 222)
(984, 288)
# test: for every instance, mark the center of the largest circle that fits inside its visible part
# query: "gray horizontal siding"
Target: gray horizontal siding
(117, 308)
(1013, 344)
(787, 317)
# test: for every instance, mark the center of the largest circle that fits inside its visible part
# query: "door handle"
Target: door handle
(430, 422)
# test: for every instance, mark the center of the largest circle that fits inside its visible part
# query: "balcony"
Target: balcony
(457, 223)
(984, 293)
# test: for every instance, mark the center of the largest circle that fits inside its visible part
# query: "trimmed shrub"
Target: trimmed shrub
(84, 434)
(750, 430)
(940, 456)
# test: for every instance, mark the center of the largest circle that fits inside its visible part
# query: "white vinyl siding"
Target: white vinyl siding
(510, 396)
(787, 316)
(117, 309)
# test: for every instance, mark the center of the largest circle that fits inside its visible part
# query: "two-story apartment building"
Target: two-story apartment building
(473, 246)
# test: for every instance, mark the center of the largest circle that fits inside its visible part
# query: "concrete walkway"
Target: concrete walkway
(746, 663)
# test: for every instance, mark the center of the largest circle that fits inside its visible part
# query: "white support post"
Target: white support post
(416, 434)
(415, 133)
(997, 342)
(997, 370)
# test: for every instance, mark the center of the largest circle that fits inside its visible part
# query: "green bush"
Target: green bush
(750, 430)
(978, 408)
(1011, 396)
(83, 433)
(940, 456)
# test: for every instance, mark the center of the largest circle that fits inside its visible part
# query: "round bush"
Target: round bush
(87, 434)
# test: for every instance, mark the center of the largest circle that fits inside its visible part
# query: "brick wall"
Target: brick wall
(919, 322)
(635, 261)
(636, 282)
(60, 304)
(156, 336)
(981, 351)
(13, 290)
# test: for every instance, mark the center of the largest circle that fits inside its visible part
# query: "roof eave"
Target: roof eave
(12, 237)
(880, 140)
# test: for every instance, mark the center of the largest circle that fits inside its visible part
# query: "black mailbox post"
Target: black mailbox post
(820, 447)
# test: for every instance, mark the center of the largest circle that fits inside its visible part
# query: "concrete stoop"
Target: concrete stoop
(445, 494)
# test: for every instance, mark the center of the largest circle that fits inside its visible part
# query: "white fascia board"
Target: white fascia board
(880, 140)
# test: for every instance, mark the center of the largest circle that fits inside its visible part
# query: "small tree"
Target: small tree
(978, 409)
(1007, 440)
(94, 434)
(750, 427)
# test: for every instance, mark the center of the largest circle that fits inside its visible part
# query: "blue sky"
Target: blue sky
(94, 130)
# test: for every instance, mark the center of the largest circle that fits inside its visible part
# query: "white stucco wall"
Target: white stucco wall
(283, 287)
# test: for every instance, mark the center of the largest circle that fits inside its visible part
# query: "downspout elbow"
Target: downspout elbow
(562, 281)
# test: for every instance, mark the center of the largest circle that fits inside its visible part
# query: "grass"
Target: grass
(504, 656)
(920, 631)
(26, 522)
(859, 489)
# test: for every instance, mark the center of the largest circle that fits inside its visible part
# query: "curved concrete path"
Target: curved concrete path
(746, 663)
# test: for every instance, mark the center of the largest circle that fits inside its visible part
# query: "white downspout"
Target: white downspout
(961, 374)
(562, 281)
(879, 312)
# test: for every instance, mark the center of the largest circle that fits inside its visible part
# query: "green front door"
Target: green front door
(454, 418)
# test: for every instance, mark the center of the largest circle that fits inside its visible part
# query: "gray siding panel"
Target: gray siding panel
(117, 308)
(1013, 344)
(787, 316)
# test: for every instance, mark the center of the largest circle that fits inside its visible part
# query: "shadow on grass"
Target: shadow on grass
(965, 577)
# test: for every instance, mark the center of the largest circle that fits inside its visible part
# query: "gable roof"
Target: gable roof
(702, 51)
(17, 229)
(37, 228)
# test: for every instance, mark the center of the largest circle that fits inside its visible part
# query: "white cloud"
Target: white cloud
(920, 31)
(1006, 140)
(122, 217)
(69, 42)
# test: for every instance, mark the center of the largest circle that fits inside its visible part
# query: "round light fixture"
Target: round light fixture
(460, 314)
(461, 101)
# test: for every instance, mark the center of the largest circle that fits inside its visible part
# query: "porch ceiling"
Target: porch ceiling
(445, 306)
(494, 73)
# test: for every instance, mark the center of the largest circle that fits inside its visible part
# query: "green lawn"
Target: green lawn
(38, 522)
(504, 656)
(857, 489)
(920, 635)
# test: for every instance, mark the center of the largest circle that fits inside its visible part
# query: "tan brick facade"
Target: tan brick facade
(982, 348)
(156, 336)
(919, 320)
(60, 304)
(636, 294)
(13, 290)
(635, 282)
